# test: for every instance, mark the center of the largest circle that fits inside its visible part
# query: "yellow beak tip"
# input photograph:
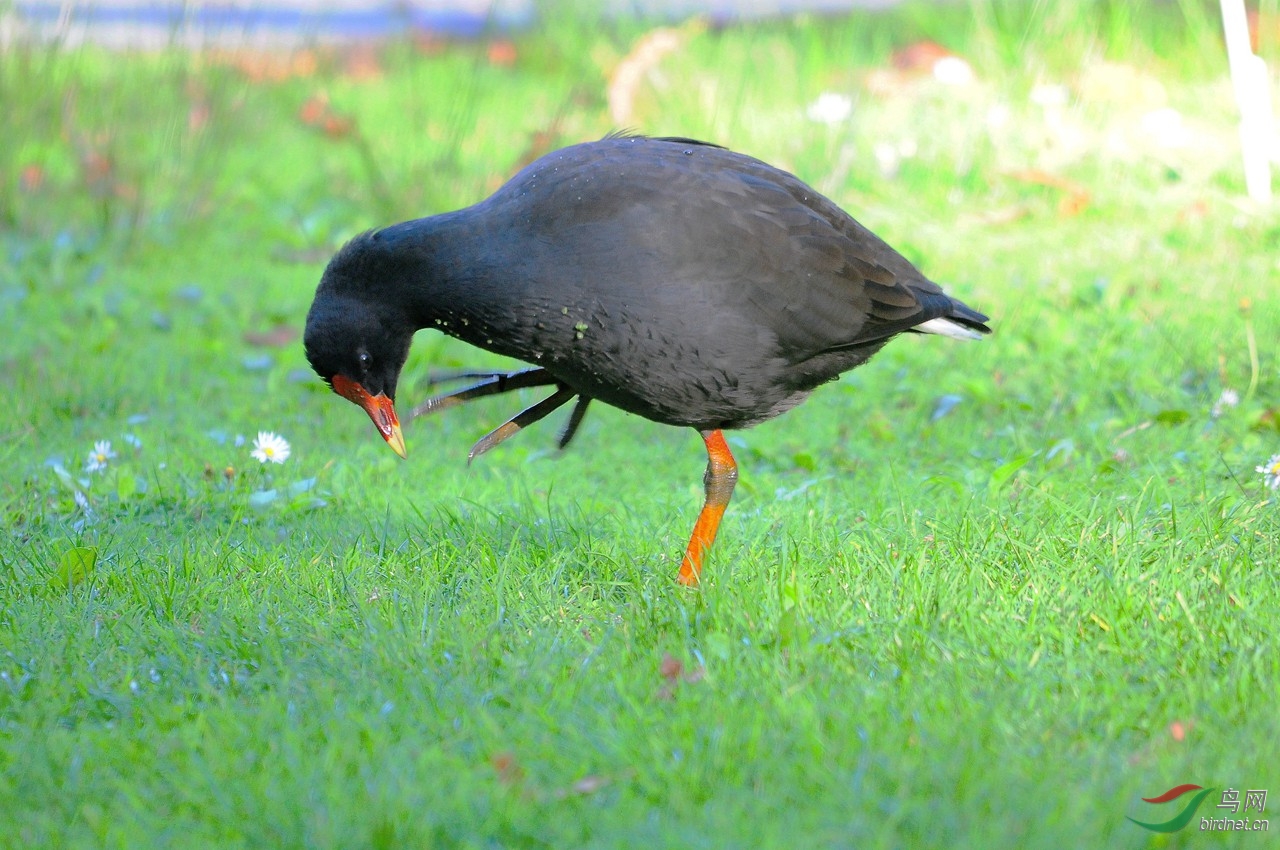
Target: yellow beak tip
(396, 440)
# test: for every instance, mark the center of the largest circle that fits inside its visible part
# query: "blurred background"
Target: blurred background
(174, 176)
(130, 104)
(970, 596)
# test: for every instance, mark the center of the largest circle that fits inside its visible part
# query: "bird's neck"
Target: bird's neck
(443, 265)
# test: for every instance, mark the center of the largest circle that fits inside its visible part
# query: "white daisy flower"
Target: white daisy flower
(953, 71)
(830, 108)
(1229, 398)
(100, 457)
(270, 447)
(1271, 473)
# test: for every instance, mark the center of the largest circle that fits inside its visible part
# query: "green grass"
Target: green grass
(997, 629)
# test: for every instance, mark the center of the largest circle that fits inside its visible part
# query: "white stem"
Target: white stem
(1249, 78)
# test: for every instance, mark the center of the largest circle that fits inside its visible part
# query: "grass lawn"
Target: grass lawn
(970, 596)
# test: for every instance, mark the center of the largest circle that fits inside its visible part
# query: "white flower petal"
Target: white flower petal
(1270, 472)
(270, 447)
(953, 71)
(830, 108)
(99, 456)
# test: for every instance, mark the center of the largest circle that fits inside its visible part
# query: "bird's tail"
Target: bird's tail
(952, 328)
(961, 322)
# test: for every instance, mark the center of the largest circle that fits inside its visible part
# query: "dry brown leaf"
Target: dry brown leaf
(1194, 211)
(502, 53)
(1076, 198)
(362, 63)
(276, 337)
(635, 67)
(31, 178)
(919, 57)
(1073, 204)
(267, 66)
(508, 769)
(671, 668)
(198, 116)
(1003, 215)
(429, 43)
(338, 126)
(316, 112)
(674, 672)
(313, 110)
(1264, 30)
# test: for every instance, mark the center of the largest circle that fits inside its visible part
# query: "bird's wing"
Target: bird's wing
(827, 282)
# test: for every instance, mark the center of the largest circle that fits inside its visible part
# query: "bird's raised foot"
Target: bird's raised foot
(524, 418)
(492, 383)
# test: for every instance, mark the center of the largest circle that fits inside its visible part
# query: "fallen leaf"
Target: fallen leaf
(673, 672)
(267, 67)
(429, 43)
(97, 168)
(508, 769)
(313, 110)
(671, 668)
(919, 57)
(1003, 215)
(502, 53)
(362, 63)
(278, 336)
(338, 126)
(316, 112)
(31, 178)
(1267, 420)
(1194, 211)
(1264, 29)
(304, 63)
(1075, 199)
(1073, 204)
(635, 67)
(198, 116)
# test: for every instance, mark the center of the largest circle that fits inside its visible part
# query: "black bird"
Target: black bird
(671, 278)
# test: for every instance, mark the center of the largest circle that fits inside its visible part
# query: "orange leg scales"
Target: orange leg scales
(720, 478)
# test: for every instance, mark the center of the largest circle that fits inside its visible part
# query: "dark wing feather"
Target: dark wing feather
(869, 292)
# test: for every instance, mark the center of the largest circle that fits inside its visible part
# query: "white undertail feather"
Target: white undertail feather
(946, 327)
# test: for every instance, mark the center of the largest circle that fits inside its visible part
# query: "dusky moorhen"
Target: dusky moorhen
(668, 277)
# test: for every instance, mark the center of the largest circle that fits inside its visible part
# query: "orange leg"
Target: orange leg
(722, 474)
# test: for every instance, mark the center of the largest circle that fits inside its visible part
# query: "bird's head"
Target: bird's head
(358, 344)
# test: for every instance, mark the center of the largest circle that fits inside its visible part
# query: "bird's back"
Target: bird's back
(688, 283)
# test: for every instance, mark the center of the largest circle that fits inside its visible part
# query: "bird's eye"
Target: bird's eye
(365, 360)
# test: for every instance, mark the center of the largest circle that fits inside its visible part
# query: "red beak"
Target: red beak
(380, 409)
